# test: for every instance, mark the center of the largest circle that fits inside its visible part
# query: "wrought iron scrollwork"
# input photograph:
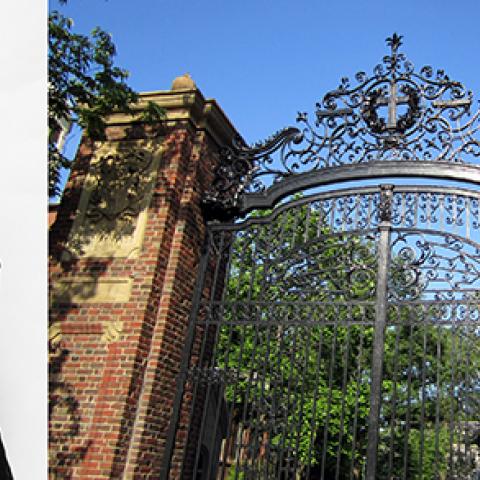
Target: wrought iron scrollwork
(435, 267)
(428, 117)
(241, 167)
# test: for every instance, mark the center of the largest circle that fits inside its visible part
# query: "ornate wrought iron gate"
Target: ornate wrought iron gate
(337, 334)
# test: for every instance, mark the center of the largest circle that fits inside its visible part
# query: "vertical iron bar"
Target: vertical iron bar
(302, 398)
(321, 218)
(344, 388)
(279, 392)
(451, 422)
(226, 361)
(467, 390)
(409, 397)
(381, 310)
(394, 394)
(307, 223)
(332, 214)
(236, 442)
(441, 208)
(261, 375)
(423, 393)
(467, 217)
(460, 395)
(270, 414)
(315, 393)
(357, 396)
(330, 388)
(438, 398)
(202, 353)
(290, 379)
(241, 446)
(357, 215)
(181, 377)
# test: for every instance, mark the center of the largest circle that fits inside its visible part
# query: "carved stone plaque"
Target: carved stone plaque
(112, 210)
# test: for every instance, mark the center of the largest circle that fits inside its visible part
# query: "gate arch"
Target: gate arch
(336, 335)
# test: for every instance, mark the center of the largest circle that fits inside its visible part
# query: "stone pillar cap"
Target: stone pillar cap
(183, 82)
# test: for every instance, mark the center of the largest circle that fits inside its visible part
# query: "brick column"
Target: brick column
(125, 250)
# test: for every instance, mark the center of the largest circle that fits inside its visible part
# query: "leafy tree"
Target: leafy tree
(84, 86)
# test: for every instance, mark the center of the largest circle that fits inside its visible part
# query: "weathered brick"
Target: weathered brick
(111, 400)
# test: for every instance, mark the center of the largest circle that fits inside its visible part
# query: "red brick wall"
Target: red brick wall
(110, 403)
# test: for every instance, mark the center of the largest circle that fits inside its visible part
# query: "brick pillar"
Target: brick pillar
(124, 255)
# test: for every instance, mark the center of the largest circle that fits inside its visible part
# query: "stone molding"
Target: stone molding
(92, 290)
(185, 106)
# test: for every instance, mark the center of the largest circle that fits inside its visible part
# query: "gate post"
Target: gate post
(124, 256)
(381, 310)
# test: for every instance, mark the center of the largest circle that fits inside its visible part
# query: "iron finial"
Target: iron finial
(394, 42)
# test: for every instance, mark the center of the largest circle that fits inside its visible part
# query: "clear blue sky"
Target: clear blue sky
(265, 60)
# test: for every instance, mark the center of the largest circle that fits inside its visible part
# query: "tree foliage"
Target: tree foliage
(84, 86)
